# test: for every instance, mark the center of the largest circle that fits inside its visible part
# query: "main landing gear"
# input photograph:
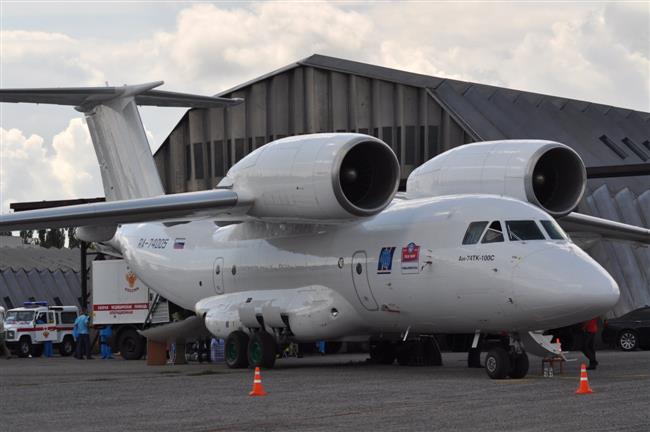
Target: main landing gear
(423, 351)
(242, 350)
(507, 359)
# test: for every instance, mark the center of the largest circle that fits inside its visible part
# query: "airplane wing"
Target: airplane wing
(580, 225)
(165, 207)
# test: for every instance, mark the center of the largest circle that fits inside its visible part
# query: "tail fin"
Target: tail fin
(126, 164)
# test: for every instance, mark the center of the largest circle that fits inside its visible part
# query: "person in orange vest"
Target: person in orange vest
(590, 328)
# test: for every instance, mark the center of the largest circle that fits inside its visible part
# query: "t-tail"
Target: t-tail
(126, 164)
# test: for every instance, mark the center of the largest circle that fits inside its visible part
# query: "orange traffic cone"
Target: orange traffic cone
(584, 381)
(258, 388)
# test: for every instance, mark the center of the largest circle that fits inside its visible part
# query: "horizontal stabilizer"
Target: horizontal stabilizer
(581, 224)
(88, 97)
(164, 207)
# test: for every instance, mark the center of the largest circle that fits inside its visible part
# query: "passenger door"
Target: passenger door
(361, 282)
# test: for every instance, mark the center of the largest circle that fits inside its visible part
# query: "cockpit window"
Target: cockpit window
(473, 234)
(523, 230)
(553, 230)
(494, 233)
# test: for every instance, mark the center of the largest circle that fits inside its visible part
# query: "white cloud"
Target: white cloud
(29, 172)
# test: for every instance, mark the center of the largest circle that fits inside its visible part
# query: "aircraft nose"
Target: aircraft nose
(563, 285)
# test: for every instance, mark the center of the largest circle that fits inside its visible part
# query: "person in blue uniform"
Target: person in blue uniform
(47, 345)
(105, 334)
(81, 326)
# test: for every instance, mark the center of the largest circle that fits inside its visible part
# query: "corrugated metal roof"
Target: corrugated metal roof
(32, 272)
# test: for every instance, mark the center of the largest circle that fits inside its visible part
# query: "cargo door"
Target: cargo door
(217, 275)
(361, 282)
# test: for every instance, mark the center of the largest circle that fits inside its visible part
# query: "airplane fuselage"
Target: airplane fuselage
(405, 268)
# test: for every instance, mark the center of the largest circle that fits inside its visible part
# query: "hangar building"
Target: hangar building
(420, 116)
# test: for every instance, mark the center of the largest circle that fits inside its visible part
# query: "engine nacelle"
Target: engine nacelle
(547, 174)
(320, 176)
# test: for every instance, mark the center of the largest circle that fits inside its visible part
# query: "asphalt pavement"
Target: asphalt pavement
(339, 392)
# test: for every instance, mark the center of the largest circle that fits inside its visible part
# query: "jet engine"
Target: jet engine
(318, 177)
(547, 174)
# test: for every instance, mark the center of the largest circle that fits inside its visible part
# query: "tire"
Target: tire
(382, 352)
(131, 344)
(262, 350)
(497, 363)
(628, 340)
(24, 347)
(405, 353)
(66, 347)
(236, 350)
(519, 366)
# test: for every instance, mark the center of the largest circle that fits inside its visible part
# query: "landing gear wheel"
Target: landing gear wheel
(519, 366)
(24, 347)
(66, 348)
(261, 350)
(382, 352)
(628, 340)
(236, 350)
(497, 363)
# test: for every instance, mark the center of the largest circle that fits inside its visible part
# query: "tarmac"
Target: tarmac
(336, 392)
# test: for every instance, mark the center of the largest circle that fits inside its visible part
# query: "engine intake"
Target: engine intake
(547, 174)
(317, 177)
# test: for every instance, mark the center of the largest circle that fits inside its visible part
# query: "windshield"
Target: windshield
(553, 230)
(523, 230)
(16, 316)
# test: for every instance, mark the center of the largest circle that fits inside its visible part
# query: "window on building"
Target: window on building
(635, 149)
(613, 146)
(208, 149)
(198, 161)
(521, 230)
(421, 147)
(398, 143)
(432, 141)
(410, 145)
(188, 162)
(240, 148)
(363, 131)
(494, 233)
(375, 132)
(553, 230)
(473, 233)
(8, 303)
(218, 158)
(259, 142)
(387, 135)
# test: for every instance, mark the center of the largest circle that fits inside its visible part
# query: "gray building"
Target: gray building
(420, 116)
(31, 273)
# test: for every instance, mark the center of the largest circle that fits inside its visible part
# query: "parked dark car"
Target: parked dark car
(629, 332)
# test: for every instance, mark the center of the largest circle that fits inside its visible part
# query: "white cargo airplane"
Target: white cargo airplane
(306, 238)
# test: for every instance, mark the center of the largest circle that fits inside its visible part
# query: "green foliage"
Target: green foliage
(73, 241)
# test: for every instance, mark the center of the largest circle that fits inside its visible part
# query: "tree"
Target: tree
(5, 233)
(73, 241)
(27, 236)
(41, 237)
(55, 238)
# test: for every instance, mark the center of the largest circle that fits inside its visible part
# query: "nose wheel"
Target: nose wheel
(501, 363)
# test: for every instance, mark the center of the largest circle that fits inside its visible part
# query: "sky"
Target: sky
(593, 51)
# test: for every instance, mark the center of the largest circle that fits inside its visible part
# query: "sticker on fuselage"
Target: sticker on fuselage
(385, 262)
(411, 259)
(153, 243)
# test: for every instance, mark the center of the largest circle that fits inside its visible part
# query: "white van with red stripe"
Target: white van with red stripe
(36, 322)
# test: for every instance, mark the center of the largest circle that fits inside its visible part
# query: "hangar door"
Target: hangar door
(361, 282)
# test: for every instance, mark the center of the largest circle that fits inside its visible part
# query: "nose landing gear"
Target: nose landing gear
(507, 359)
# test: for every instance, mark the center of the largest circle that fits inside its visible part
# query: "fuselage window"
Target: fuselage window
(553, 230)
(493, 234)
(523, 230)
(473, 234)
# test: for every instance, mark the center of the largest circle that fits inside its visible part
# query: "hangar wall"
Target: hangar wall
(420, 116)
